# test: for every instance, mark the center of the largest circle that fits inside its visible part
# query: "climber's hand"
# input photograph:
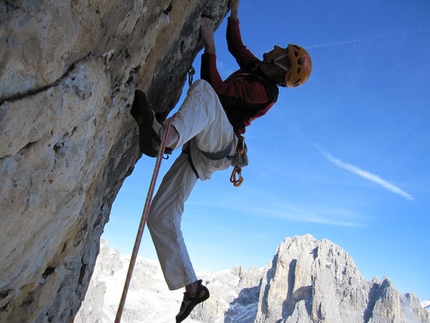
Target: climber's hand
(207, 34)
(234, 9)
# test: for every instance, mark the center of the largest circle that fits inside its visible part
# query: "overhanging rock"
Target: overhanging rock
(67, 77)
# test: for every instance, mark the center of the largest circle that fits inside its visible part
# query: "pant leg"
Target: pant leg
(202, 121)
(164, 223)
(202, 117)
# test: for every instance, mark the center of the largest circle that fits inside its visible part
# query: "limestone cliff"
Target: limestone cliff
(68, 70)
(317, 281)
(307, 281)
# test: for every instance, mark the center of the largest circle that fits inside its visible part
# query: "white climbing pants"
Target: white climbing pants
(203, 125)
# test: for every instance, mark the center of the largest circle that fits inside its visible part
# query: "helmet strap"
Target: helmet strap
(276, 62)
(280, 77)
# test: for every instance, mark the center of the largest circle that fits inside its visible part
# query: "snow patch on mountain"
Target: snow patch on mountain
(307, 281)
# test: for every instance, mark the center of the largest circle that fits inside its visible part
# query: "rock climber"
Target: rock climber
(208, 126)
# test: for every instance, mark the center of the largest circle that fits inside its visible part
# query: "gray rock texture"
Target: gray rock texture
(68, 70)
(317, 281)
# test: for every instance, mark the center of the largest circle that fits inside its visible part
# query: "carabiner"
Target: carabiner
(191, 73)
(237, 181)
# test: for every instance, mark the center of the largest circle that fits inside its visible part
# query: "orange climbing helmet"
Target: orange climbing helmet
(300, 65)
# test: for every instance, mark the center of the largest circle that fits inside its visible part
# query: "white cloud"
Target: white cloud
(371, 38)
(368, 176)
(284, 211)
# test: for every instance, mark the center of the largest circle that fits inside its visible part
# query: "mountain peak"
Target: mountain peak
(307, 281)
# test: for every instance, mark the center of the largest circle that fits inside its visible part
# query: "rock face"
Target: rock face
(307, 281)
(317, 281)
(68, 71)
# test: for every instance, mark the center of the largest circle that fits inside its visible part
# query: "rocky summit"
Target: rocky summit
(68, 71)
(306, 281)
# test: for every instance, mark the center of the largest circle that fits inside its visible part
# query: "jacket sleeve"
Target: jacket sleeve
(240, 90)
(209, 71)
(244, 57)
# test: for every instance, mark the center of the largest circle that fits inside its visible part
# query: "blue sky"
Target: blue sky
(344, 157)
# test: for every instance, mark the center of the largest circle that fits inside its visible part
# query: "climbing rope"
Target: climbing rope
(142, 223)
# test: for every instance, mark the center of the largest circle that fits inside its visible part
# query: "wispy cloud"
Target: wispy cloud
(367, 176)
(371, 38)
(283, 211)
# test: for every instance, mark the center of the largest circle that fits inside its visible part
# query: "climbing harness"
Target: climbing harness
(238, 161)
(220, 154)
(144, 217)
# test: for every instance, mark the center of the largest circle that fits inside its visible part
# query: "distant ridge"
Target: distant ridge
(307, 281)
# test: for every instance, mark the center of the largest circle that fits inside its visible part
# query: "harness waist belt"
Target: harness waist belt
(220, 154)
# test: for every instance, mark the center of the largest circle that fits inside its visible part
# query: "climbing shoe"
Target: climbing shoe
(190, 301)
(149, 127)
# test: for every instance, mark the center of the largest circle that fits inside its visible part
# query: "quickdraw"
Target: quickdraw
(238, 161)
(237, 181)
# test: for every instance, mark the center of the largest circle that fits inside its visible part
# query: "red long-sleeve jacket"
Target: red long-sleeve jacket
(247, 94)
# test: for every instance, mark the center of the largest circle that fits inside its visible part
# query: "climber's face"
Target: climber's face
(277, 55)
